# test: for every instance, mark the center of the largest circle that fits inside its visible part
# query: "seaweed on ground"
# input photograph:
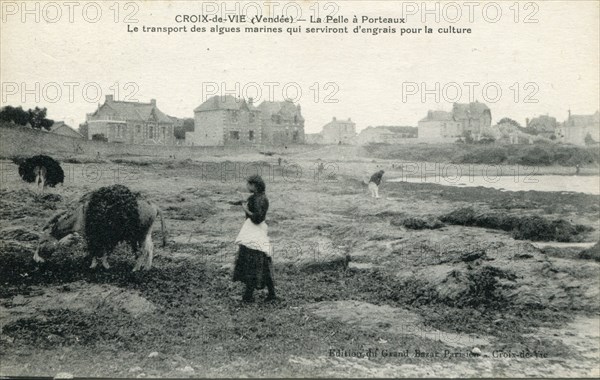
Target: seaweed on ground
(531, 227)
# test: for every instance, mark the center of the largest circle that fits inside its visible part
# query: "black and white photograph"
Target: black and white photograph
(299, 189)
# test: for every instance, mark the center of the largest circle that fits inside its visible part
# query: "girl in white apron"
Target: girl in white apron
(253, 266)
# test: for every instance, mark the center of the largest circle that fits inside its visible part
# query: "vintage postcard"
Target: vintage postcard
(274, 188)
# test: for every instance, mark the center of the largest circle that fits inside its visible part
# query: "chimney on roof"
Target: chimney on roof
(153, 102)
(109, 98)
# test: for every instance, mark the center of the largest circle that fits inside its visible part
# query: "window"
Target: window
(120, 131)
(252, 117)
(234, 116)
(295, 119)
(150, 132)
(164, 132)
(251, 135)
(138, 129)
(295, 137)
(235, 135)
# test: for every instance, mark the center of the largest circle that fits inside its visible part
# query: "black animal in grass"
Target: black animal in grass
(106, 217)
(41, 170)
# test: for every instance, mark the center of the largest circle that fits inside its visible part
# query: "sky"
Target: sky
(548, 65)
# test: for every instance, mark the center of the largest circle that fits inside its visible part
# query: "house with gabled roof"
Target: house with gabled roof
(579, 128)
(131, 123)
(339, 132)
(439, 124)
(282, 123)
(466, 118)
(60, 128)
(225, 120)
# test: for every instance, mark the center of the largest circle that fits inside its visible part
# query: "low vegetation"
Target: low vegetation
(490, 154)
(533, 227)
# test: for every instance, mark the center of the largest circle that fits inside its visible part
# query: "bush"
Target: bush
(592, 253)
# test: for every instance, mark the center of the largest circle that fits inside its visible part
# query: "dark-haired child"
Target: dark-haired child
(253, 266)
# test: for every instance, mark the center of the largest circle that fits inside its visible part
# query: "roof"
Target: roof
(469, 111)
(225, 102)
(60, 125)
(543, 123)
(438, 116)
(395, 129)
(284, 108)
(136, 111)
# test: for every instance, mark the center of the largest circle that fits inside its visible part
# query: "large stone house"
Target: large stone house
(472, 118)
(543, 125)
(439, 124)
(131, 123)
(282, 123)
(340, 132)
(577, 128)
(226, 120)
(385, 135)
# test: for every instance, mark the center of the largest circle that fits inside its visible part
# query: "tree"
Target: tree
(188, 126)
(37, 118)
(507, 120)
(84, 130)
(15, 115)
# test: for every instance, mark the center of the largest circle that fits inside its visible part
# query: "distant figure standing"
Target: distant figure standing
(279, 161)
(253, 266)
(374, 183)
(576, 169)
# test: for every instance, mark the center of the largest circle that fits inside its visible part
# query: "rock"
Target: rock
(63, 375)
(476, 351)
(153, 354)
(135, 369)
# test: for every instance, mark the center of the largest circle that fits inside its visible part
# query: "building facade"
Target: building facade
(225, 120)
(580, 129)
(339, 132)
(282, 123)
(439, 124)
(543, 125)
(131, 123)
(472, 118)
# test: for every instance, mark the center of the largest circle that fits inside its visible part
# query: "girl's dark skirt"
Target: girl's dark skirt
(253, 268)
